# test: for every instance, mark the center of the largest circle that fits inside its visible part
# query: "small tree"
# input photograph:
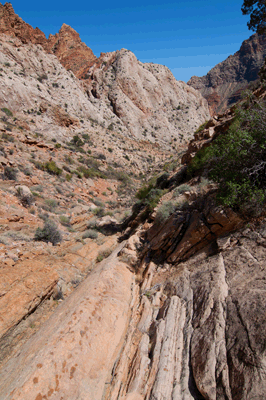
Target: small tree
(257, 11)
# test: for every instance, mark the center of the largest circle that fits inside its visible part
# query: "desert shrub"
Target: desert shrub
(64, 220)
(50, 205)
(201, 127)
(38, 188)
(7, 138)
(164, 211)
(90, 233)
(52, 168)
(103, 254)
(10, 173)
(153, 198)
(7, 112)
(181, 189)
(49, 233)
(76, 141)
(99, 211)
(98, 202)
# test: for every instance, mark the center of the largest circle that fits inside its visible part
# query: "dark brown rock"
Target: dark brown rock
(223, 85)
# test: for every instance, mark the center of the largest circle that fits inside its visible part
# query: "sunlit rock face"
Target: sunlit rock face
(223, 85)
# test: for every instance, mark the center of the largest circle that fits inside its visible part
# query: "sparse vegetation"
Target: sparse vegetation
(10, 173)
(90, 234)
(164, 211)
(103, 254)
(49, 233)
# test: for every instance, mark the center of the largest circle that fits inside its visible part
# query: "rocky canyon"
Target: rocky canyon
(122, 278)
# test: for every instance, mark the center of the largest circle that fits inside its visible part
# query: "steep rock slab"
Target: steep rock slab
(223, 84)
(145, 98)
(72, 355)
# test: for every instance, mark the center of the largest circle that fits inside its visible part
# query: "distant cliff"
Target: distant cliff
(223, 84)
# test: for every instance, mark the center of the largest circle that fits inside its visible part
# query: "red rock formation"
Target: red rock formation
(11, 24)
(66, 45)
(71, 51)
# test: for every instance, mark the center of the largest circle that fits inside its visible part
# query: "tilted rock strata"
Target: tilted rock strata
(223, 85)
(195, 330)
(79, 344)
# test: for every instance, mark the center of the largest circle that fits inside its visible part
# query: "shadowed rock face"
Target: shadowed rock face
(223, 84)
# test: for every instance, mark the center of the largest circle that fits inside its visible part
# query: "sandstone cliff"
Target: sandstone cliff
(223, 84)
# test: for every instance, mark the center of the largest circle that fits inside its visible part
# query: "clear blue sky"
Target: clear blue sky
(189, 37)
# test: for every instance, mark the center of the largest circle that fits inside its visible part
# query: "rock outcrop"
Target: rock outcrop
(193, 330)
(146, 98)
(66, 45)
(11, 24)
(223, 85)
(70, 50)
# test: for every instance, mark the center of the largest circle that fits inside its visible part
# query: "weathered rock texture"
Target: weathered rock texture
(146, 98)
(195, 330)
(223, 85)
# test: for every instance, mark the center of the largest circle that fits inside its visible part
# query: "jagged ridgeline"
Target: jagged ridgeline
(137, 100)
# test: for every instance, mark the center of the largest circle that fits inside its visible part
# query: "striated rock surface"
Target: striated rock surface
(194, 330)
(223, 84)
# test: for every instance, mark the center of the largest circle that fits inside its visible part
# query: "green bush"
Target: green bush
(52, 168)
(49, 233)
(7, 112)
(64, 220)
(50, 205)
(237, 161)
(181, 189)
(90, 233)
(103, 254)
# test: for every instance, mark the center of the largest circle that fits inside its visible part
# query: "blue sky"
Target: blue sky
(189, 37)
